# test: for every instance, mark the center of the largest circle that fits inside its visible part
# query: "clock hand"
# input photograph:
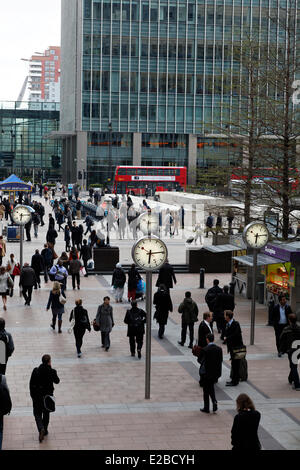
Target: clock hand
(157, 252)
(144, 249)
(150, 253)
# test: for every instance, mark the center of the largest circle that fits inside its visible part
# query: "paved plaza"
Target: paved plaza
(100, 399)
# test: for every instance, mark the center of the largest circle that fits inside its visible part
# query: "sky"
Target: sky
(26, 27)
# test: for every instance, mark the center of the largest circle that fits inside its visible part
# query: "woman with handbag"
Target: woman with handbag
(57, 300)
(163, 303)
(6, 283)
(82, 323)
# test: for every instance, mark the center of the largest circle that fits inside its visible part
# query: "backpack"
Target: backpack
(5, 400)
(210, 297)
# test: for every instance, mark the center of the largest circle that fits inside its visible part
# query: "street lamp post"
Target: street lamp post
(109, 152)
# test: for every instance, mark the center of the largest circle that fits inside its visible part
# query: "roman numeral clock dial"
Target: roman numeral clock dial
(149, 253)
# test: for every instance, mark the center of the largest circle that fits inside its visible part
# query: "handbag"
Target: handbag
(95, 325)
(82, 271)
(239, 353)
(62, 300)
(49, 403)
(196, 350)
(10, 282)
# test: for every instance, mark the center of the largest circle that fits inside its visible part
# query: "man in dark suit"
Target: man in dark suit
(204, 329)
(224, 301)
(212, 371)
(233, 338)
(279, 319)
(166, 276)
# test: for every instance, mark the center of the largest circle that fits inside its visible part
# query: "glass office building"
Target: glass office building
(24, 150)
(163, 74)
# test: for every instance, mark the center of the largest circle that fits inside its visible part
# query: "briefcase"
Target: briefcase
(239, 353)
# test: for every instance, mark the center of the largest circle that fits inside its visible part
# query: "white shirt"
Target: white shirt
(208, 324)
(282, 320)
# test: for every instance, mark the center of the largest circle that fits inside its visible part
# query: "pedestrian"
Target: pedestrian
(82, 323)
(163, 305)
(56, 301)
(6, 283)
(74, 270)
(210, 372)
(51, 236)
(60, 274)
(67, 237)
(28, 230)
(118, 282)
(36, 221)
(27, 282)
(48, 260)
(75, 234)
(89, 223)
(189, 315)
(166, 276)
(65, 260)
(37, 264)
(168, 221)
(230, 217)
(245, 425)
(11, 268)
(41, 390)
(219, 224)
(86, 255)
(135, 319)
(2, 249)
(210, 299)
(223, 301)
(133, 279)
(51, 222)
(8, 347)
(5, 404)
(78, 208)
(290, 334)
(279, 319)
(233, 338)
(60, 219)
(104, 319)
(204, 329)
(209, 224)
(198, 233)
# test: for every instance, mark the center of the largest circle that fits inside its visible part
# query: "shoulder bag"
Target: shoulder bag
(196, 350)
(239, 353)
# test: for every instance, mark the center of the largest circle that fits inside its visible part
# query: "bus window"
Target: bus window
(122, 171)
(152, 171)
(131, 171)
(160, 171)
(168, 172)
(141, 171)
(177, 172)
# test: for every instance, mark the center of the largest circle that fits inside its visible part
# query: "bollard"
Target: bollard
(202, 275)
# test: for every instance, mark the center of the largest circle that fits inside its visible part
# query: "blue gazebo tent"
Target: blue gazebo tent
(13, 184)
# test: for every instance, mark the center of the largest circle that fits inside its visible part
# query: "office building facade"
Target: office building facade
(24, 150)
(154, 82)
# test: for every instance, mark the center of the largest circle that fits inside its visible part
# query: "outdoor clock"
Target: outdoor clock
(149, 253)
(21, 215)
(256, 235)
(148, 223)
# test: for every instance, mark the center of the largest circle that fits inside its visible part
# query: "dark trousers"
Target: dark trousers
(27, 293)
(75, 277)
(41, 415)
(105, 339)
(37, 275)
(183, 332)
(208, 391)
(28, 237)
(79, 334)
(161, 330)
(138, 340)
(293, 375)
(3, 369)
(1, 431)
(68, 246)
(220, 321)
(235, 366)
(278, 330)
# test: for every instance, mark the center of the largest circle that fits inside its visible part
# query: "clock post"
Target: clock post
(253, 296)
(256, 236)
(21, 215)
(149, 253)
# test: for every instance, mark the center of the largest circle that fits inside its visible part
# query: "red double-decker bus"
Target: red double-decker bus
(269, 176)
(135, 179)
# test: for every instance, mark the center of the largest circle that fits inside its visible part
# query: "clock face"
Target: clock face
(148, 223)
(256, 235)
(150, 253)
(21, 215)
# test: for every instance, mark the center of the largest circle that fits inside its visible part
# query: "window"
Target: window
(116, 11)
(131, 171)
(133, 111)
(86, 80)
(97, 11)
(133, 81)
(104, 110)
(143, 112)
(144, 82)
(86, 110)
(141, 171)
(124, 81)
(96, 80)
(145, 12)
(105, 81)
(124, 111)
(115, 111)
(95, 110)
(106, 10)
